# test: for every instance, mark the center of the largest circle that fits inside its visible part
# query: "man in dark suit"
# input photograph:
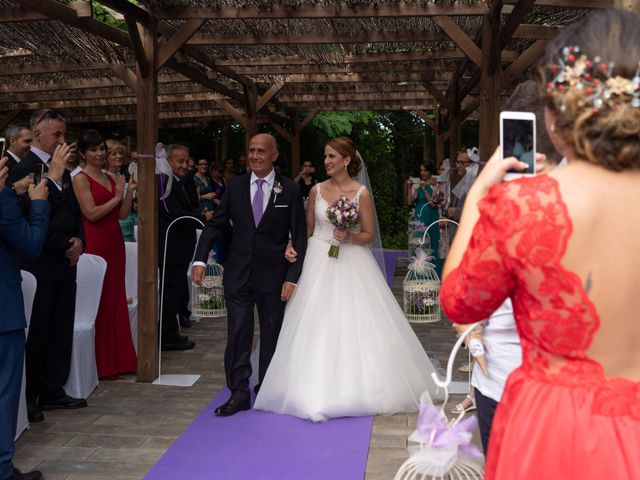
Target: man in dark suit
(180, 246)
(263, 209)
(18, 143)
(51, 329)
(18, 237)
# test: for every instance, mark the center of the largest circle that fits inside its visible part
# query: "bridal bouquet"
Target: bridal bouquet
(343, 213)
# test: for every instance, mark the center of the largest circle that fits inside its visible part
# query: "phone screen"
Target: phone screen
(2, 147)
(39, 173)
(518, 141)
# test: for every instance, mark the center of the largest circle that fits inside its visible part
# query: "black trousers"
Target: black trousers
(486, 409)
(176, 295)
(240, 328)
(48, 354)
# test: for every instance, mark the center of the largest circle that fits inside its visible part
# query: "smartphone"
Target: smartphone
(3, 147)
(518, 139)
(39, 173)
(414, 179)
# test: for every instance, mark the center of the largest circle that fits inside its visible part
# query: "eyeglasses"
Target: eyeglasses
(47, 113)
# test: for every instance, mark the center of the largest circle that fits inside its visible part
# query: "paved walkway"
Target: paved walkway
(129, 425)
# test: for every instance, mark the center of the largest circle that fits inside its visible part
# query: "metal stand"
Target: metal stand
(175, 380)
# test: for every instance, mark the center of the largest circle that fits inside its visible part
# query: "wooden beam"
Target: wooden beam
(126, 74)
(129, 9)
(169, 47)
(264, 99)
(235, 113)
(7, 118)
(136, 44)
(202, 78)
(319, 11)
(281, 131)
(524, 61)
(428, 120)
(147, 137)
(489, 87)
(459, 37)
(538, 32)
(436, 94)
(80, 84)
(20, 14)
(308, 119)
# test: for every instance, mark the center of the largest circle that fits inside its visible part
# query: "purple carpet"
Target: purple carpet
(390, 261)
(258, 445)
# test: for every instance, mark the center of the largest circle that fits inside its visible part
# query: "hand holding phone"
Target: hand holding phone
(518, 139)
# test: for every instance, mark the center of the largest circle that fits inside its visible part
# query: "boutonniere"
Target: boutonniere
(277, 189)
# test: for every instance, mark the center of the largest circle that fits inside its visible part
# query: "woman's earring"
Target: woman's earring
(553, 127)
(345, 166)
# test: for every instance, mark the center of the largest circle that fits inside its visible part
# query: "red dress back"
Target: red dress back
(114, 347)
(559, 416)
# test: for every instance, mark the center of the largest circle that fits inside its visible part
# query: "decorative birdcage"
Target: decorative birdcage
(421, 289)
(415, 233)
(442, 448)
(208, 299)
(421, 285)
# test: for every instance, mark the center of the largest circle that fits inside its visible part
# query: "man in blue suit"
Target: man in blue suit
(18, 237)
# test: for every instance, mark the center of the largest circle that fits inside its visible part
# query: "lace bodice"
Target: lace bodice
(516, 251)
(323, 228)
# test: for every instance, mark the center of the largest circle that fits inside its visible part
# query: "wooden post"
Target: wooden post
(251, 102)
(490, 79)
(147, 128)
(224, 147)
(454, 120)
(295, 143)
(439, 138)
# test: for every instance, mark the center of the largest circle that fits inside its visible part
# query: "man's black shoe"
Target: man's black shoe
(232, 407)
(33, 475)
(34, 413)
(185, 345)
(185, 322)
(65, 402)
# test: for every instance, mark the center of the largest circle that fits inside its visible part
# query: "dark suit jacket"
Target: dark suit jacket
(182, 236)
(11, 161)
(256, 253)
(18, 237)
(65, 222)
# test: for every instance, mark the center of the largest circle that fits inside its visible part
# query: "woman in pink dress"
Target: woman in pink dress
(563, 247)
(102, 200)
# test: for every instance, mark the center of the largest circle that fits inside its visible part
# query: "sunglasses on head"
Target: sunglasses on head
(47, 114)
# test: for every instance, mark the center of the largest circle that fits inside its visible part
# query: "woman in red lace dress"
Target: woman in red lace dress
(563, 247)
(102, 201)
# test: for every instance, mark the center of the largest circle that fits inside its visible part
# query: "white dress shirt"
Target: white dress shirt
(13, 155)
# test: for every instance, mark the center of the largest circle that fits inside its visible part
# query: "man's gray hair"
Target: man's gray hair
(43, 115)
(13, 131)
(176, 146)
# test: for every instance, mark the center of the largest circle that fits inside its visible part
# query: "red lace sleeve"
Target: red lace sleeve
(483, 280)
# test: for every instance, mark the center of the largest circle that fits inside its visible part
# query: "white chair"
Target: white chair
(131, 286)
(29, 285)
(83, 375)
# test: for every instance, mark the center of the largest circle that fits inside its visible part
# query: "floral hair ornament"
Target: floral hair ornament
(575, 70)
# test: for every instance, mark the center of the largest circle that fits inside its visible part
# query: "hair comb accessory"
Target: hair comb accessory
(594, 78)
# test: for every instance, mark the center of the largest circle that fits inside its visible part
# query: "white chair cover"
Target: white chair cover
(83, 375)
(29, 285)
(131, 285)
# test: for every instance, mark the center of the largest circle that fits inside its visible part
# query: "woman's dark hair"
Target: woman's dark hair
(347, 148)
(607, 135)
(89, 139)
(430, 167)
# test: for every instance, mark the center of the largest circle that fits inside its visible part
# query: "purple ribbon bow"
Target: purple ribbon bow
(431, 423)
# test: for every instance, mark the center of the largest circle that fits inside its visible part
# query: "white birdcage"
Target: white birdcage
(442, 448)
(208, 299)
(421, 285)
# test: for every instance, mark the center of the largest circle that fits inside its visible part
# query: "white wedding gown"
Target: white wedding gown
(345, 349)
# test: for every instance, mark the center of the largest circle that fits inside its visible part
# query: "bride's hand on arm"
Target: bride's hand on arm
(310, 213)
(492, 173)
(290, 253)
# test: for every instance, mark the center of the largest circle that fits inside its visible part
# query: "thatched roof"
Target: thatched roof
(316, 55)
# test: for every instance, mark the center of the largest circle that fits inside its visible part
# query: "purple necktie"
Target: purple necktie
(257, 202)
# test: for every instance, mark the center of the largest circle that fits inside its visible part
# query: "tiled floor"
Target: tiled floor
(129, 425)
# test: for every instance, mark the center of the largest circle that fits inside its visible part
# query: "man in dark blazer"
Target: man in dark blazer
(263, 209)
(180, 246)
(18, 141)
(50, 336)
(17, 237)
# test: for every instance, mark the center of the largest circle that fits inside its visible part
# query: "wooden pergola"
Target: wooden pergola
(194, 63)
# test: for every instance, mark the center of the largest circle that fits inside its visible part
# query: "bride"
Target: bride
(345, 348)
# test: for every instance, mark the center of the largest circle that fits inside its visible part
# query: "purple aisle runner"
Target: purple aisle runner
(256, 445)
(390, 262)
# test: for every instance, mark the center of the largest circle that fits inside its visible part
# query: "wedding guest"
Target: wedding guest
(219, 186)
(18, 142)
(206, 195)
(229, 172)
(102, 200)
(116, 159)
(19, 236)
(570, 410)
(305, 179)
(50, 339)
